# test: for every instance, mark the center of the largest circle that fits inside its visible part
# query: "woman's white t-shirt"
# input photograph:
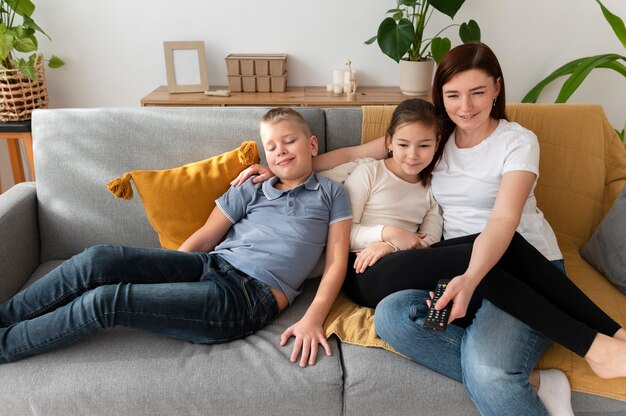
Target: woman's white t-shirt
(466, 181)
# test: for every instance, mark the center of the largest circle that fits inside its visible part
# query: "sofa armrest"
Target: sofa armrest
(19, 237)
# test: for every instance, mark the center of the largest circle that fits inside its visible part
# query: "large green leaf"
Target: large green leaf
(615, 66)
(469, 32)
(584, 67)
(22, 7)
(616, 23)
(439, 47)
(395, 39)
(24, 31)
(25, 44)
(6, 45)
(532, 95)
(447, 7)
(569, 68)
(31, 24)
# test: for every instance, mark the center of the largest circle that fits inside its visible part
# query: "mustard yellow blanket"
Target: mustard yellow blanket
(354, 324)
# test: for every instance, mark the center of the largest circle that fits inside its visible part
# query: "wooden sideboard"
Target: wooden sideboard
(292, 97)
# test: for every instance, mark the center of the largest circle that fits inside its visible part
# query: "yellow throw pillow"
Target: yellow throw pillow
(178, 201)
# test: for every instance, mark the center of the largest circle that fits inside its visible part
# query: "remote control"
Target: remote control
(219, 93)
(437, 320)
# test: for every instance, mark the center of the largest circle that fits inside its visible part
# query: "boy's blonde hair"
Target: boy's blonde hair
(279, 114)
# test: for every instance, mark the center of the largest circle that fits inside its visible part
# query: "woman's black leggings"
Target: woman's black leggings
(523, 283)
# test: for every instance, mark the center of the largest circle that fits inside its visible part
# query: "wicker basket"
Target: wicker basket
(19, 96)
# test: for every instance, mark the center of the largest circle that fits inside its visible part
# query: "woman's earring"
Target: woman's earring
(389, 152)
(494, 101)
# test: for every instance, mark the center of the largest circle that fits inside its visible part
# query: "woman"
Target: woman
(495, 355)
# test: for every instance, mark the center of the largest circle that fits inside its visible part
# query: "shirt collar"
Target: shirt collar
(311, 184)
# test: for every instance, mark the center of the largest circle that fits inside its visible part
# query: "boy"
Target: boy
(207, 291)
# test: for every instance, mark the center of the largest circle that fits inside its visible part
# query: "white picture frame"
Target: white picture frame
(185, 66)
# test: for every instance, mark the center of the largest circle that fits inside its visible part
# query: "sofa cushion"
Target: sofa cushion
(606, 249)
(380, 383)
(128, 372)
(179, 200)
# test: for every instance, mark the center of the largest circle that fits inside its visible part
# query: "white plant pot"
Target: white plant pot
(416, 77)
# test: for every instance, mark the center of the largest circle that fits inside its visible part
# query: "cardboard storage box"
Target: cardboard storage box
(256, 64)
(234, 83)
(279, 82)
(257, 72)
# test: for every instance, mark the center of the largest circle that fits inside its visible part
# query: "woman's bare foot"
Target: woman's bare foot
(607, 356)
(620, 334)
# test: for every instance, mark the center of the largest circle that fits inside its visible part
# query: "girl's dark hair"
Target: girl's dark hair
(416, 110)
(473, 55)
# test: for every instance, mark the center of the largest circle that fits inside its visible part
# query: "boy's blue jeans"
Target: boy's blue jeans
(196, 297)
(493, 357)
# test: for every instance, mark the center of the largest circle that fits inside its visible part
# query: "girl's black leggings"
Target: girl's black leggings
(523, 283)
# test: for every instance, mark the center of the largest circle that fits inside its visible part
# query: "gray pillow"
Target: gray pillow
(606, 249)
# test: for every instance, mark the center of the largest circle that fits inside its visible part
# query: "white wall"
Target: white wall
(114, 54)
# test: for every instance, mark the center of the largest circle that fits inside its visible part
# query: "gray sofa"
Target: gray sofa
(127, 372)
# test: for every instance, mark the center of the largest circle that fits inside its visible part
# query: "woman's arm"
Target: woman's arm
(492, 242)
(309, 331)
(328, 160)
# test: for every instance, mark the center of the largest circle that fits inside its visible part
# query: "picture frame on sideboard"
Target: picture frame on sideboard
(185, 66)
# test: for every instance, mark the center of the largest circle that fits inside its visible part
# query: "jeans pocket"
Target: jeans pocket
(246, 294)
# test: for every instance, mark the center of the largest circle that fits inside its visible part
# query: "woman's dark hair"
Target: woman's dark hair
(416, 110)
(473, 55)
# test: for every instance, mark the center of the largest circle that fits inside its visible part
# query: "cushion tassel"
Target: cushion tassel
(120, 187)
(248, 153)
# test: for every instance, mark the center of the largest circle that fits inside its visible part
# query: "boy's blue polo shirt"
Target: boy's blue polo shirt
(279, 235)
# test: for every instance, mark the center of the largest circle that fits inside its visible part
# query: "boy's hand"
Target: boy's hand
(371, 254)
(263, 172)
(308, 337)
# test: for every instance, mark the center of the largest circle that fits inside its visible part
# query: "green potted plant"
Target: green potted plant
(401, 36)
(22, 76)
(578, 69)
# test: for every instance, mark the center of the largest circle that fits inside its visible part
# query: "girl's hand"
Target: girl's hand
(403, 239)
(459, 291)
(308, 338)
(371, 254)
(263, 171)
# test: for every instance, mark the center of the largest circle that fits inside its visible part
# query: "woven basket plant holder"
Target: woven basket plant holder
(19, 96)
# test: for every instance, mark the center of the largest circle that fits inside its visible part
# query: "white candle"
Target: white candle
(329, 87)
(338, 75)
(338, 88)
